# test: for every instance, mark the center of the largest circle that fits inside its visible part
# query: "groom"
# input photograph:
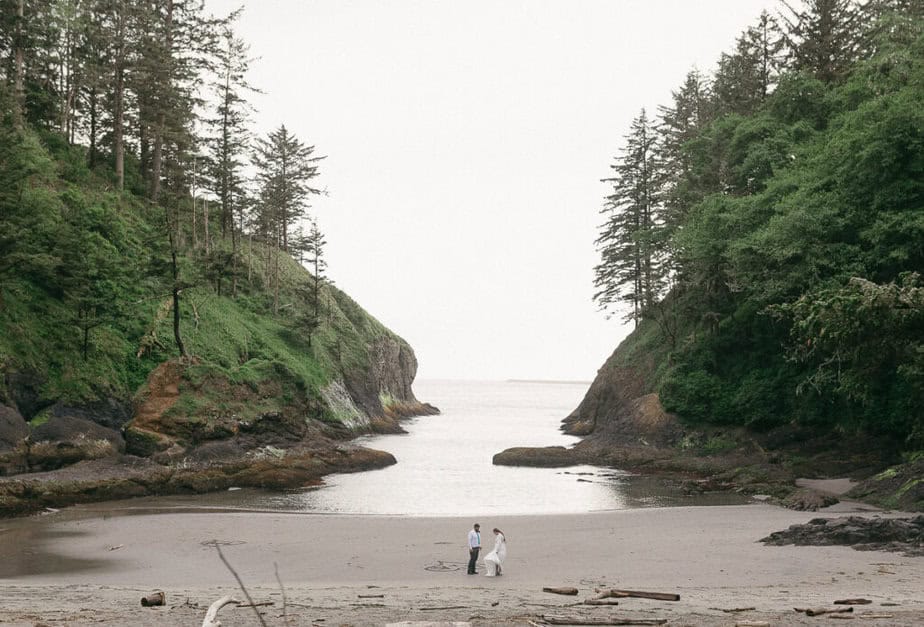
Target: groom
(474, 546)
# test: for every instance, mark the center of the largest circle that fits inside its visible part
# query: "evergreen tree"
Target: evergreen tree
(679, 123)
(824, 37)
(92, 265)
(229, 139)
(312, 244)
(285, 169)
(630, 268)
(744, 79)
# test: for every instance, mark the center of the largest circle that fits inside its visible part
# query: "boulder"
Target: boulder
(108, 412)
(13, 428)
(62, 441)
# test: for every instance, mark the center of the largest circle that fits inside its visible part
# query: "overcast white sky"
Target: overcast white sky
(465, 141)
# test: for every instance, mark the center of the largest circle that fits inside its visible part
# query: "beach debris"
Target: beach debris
(443, 607)
(638, 594)
(260, 604)
(875, 616)
(371, 596)
(116, 547)
(852, 602)
(211, 616)
(752, 623)
(603, 602)
(731, 610)
(155, 598)
(495, 603)
(843, 616)
(818, 611)
(577, 620)
(561, 590)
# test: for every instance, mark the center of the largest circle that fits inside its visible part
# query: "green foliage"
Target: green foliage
(794, 298)
(86, 302)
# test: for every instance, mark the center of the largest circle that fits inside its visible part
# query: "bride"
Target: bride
(495, 558)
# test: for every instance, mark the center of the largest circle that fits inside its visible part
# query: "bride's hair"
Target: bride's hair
(496, 530)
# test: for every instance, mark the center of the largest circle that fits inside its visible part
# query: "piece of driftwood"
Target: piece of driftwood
(660, 596)
(852, 602)
(609, 594)
(444, 607)
(732, 610)
(601, 602)
(371, 596)
(819, 611)
(154, 599)
(875, 616)
(843, 616)
(211, 616)
(260, 604)
(752, 623)
(565, 590)
(577, 620)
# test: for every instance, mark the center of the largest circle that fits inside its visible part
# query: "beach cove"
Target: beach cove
(92, 564)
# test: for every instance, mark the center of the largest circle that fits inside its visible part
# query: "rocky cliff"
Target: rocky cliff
(256, 404)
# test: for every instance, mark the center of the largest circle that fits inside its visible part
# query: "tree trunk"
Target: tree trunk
(118, 113)
(157, 162)
(118, 145)
(205, 222)
(176, 301)
(276, 280)
(86, 340)
(20, 80)
(94, 112)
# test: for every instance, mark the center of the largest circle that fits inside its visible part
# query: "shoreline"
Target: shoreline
(56, 566)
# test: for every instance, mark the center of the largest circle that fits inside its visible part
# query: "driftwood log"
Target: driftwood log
(211, 616)
(819, 611)
(577, 620)
(752, 623)
(852, 602)
(660, 596)
(601, 602)
(564, 590)
(154, 599)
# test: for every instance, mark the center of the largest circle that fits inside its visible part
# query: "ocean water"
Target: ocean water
(444, 463)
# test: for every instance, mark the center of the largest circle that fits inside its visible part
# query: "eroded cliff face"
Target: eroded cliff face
(381, 394)
(191, 428)
(621, 409)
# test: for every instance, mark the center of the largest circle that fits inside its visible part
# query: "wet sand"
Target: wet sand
(92, 564)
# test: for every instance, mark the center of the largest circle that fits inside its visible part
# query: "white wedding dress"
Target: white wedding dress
(495, 558)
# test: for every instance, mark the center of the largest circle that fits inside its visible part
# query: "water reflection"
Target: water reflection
(25, 549)
(444, 463)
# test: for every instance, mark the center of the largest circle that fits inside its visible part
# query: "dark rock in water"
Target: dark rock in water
(13, 428)
(542, 457)
(904, 535)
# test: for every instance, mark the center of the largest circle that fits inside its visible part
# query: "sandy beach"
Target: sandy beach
(92, 564)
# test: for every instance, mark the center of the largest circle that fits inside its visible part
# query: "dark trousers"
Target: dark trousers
(472, 559)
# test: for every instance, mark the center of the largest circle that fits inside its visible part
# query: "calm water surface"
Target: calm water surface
(444, 463)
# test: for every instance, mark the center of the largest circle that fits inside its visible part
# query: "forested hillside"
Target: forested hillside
(765, 230)
(153, 292)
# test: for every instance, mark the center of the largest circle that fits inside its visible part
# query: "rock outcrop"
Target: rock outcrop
(189, 432)
(905, 535)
